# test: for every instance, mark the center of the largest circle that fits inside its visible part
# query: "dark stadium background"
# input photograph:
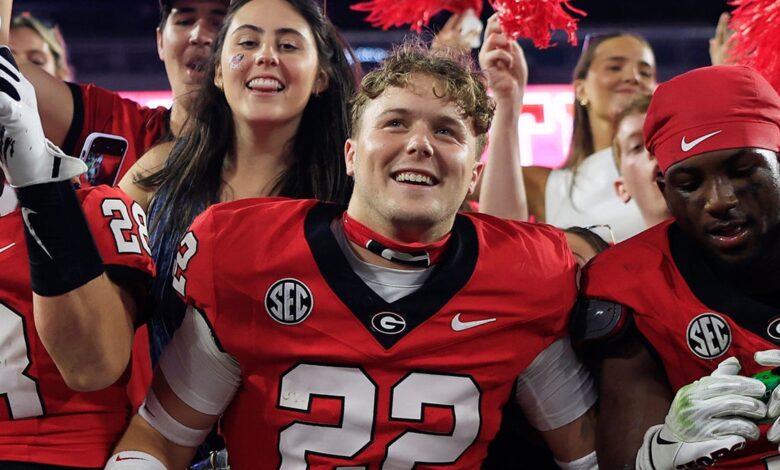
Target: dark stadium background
(112, 41)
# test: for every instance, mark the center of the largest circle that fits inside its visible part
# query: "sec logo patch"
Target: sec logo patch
(289, 301)
(709, 336)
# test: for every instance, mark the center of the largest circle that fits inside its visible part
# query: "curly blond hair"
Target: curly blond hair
(458, 82)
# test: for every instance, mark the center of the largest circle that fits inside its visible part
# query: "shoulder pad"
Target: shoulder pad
(598, 321)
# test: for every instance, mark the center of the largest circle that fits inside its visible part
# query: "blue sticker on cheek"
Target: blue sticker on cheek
(235, 61)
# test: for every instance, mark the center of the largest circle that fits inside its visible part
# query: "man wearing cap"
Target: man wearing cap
(70, 112)
(674, 314)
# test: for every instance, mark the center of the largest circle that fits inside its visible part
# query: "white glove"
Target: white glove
(708, 419)
(26, 157)
(771, 358)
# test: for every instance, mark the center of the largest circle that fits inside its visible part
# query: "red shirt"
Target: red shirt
(333, 375)
(99, 110)
(41, 419)
(691, 338)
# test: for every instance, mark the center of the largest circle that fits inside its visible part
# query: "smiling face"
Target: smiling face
(622, 68)
(269, 66)
(638, 171)
(184, 42)
(729, 201)
(413, 159)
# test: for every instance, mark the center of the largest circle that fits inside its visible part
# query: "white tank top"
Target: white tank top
(593, 200)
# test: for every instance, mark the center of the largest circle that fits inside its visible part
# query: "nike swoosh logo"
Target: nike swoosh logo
(660, 440)
(119, 458)
(26, 217)
(458, 325)
(686, 146)
(7, 247)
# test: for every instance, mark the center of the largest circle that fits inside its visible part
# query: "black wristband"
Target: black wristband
(62, 253)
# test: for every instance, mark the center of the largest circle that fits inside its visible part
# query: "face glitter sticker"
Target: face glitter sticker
(235, 61)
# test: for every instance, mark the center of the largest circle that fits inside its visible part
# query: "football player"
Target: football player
(681, 308)
(70, 289)
(389, 334)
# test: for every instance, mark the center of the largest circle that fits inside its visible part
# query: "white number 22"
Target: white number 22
(358, 391)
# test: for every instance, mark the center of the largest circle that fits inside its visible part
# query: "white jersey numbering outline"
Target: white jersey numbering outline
(358, 391)
(122, 226)
(19, 389)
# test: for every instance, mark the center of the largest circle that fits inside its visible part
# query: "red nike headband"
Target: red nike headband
(711, 108)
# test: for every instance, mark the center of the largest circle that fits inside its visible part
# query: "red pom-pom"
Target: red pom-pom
(756, 40)
(536, 19)
(394, 13)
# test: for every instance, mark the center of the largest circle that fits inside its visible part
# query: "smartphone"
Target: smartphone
(103, 154)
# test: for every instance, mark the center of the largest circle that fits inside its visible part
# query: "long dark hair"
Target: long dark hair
(582, 136)
(192, 176)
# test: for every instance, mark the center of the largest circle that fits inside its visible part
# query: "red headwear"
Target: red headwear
(712, 108)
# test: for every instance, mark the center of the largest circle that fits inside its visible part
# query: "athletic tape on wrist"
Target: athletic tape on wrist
(60, 247)
(133, 460)
(153, 413)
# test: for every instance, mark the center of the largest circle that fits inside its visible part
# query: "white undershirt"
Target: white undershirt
(553, 391)
(388, 283)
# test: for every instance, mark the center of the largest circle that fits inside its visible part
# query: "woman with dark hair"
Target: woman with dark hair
(270, 119)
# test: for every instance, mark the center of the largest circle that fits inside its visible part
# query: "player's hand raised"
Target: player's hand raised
(503, 62)
(708, 419)
(26, 157)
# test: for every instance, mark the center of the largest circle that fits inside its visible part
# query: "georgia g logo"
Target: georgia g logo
(709, 336)
(289, 301)
(388, 323)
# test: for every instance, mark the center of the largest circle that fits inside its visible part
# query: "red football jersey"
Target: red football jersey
(690, 337)
(41, 419)
(335, 376)
(99, 110)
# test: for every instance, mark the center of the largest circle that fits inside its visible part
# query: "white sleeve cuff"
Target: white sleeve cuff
(555, 389)
(201, 375)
